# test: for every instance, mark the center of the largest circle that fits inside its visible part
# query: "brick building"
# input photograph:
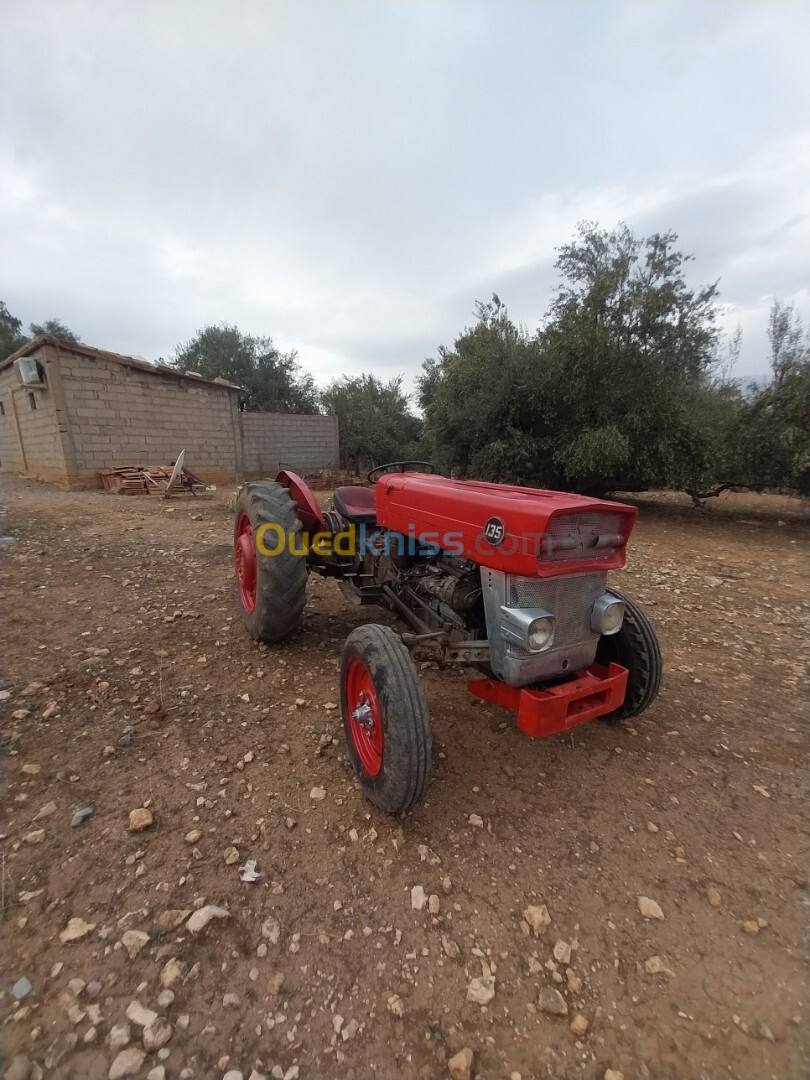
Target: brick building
(68, 410)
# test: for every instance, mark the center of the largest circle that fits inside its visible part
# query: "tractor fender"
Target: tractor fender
(309, 512)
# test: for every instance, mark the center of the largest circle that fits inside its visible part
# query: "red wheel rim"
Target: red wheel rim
(245, 561)
(363, 714)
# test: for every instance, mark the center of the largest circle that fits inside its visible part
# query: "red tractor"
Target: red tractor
(510, 581)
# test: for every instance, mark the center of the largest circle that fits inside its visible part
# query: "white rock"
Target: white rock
(481, 990)
(271, 930)
(157, 1034)
(476, 820)
(139, 1014)
(562, 952)
(538, 918)
(165, 998)
(650, 909)
(350, 1030)
(127, 1063)
(158, 1073)
(418, 898)
(75, 930)
(200, 919)
(317, 794)
(133, 941)
(119, 1036)
(172, 971)
(233, 1074)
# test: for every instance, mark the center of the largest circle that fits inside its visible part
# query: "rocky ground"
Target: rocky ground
(621, 900)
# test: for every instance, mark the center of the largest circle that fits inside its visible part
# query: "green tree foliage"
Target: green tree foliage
(272, 381)
(601, 397)
(53, 328)
(375, 422)
(13, 338)
(11, 335)
(773, 429)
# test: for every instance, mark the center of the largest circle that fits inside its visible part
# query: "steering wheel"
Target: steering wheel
(399, 467)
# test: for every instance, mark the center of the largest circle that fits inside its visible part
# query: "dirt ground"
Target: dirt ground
(129, 682)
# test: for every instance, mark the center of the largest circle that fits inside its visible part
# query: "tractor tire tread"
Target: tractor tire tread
(403, 782)
(642, 652)
(281, 579)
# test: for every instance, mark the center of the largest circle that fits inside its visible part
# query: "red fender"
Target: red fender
(309, 512)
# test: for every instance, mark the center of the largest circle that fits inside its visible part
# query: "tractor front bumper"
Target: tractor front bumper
(593, 691)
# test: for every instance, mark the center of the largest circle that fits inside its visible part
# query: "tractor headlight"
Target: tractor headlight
(540, 633)
(530, 628)
(607, 615)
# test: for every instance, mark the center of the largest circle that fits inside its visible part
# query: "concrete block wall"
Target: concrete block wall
(272, 440)
(123, 415)
(30, 439)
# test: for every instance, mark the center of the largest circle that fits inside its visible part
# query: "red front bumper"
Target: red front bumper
(592, 692)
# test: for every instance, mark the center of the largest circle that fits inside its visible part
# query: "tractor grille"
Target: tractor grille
(581, 530)
(568, 598)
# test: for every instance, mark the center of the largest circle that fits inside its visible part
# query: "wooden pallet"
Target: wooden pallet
(151, 480)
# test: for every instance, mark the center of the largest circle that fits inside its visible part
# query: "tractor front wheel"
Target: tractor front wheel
(635, 647)
(271, 588)
(385, 718)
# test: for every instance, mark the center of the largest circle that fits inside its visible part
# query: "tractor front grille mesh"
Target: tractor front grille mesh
(569, 598)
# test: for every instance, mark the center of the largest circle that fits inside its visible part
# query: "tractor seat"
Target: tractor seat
(356, 504)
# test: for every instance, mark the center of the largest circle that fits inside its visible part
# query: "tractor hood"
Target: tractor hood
(524, 531)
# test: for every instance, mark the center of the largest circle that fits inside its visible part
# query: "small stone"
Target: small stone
(291, 1073)
(19, 1068)
(36, 836)
(350, 1030)
(93, 989)
(82, 815)
(46, 811)
(157, 1034)
(172, 971)
(75, 930)
(183, 1021)
(271, 930)
(433, 904)
(31, 769)
(133, 941)
(127, 1063)
(460, 1065)
(140, 819)
(90, 1036)
(579, 1025)
(537, 918)
(119, 1036)
(395, 1005)
(231, 856)
(418, 898)
(574, 981)
(317, 794)
(21, 988)
(654, 965)
(450, 947)
(481, 990)
(275, 983)
(613, 1074)
(165, 998)
(652, 827)
(751, 926)
(171, 918)
(193, 836)
(447, 885)
(158, 1073)
(201, 918)
(650, 909)
(765, 1032)
(551, 1001)
(59, 1049)
(562, 952)
(476, 820)
(139, 1014)
(231, 1001)
(713, 896)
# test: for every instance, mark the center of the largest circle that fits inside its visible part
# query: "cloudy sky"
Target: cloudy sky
(350, 176)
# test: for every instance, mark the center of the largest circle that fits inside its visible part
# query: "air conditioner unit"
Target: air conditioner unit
(29, 371)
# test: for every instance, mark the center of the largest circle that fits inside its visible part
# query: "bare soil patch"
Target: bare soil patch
(132, 683)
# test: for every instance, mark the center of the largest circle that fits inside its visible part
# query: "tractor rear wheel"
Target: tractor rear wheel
(385, 718)
(635, 647)
(271, 588)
